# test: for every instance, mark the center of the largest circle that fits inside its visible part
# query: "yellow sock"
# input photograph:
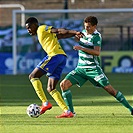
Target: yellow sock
(57, 97)
(38, 88)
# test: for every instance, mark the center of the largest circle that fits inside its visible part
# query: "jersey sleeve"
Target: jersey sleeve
(44, 29)
(97, 40)
(48, 28)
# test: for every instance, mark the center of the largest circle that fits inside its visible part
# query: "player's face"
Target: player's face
(31, 28)
(89, 28)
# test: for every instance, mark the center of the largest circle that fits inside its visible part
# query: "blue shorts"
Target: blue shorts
(53, 66)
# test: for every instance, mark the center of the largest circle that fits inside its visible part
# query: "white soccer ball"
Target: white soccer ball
(33, 110)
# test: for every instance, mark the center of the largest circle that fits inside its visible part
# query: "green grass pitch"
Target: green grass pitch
(97, 111)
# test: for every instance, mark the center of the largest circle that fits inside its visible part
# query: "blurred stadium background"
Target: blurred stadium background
(116, 29)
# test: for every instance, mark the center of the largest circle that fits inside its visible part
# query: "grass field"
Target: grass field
(97, 111)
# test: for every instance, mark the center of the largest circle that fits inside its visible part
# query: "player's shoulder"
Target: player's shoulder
(42, 27)
(97, 33)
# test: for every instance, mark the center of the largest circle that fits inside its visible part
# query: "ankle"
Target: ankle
(45, 103)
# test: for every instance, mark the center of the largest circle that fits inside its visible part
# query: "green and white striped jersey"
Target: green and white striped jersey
(89, 41)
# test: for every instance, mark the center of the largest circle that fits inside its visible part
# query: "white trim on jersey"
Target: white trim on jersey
(86, 66)
(85, 62)
(85, 55)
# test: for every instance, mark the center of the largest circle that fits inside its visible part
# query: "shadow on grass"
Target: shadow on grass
(85, 102)
(21, 93)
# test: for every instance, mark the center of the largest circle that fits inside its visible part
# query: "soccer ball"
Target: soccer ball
(33, 110)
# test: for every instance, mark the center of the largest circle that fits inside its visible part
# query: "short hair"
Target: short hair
(91, 19)
(31, 20)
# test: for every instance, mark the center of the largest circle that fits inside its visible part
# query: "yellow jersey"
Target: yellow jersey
(49, 41)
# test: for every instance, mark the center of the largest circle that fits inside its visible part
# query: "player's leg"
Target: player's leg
(56, 65)
(98, 78)
(74, 77)
(52, 82)
(38, 72)
(66, 93)
(119, 96)
(51, 88)
(35, 80)
(36, 83)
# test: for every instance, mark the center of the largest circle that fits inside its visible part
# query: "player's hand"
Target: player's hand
(77, 38)
(79, 34)
(77, 47)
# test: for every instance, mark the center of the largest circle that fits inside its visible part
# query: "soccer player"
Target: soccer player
(88, 67)
(51, 65)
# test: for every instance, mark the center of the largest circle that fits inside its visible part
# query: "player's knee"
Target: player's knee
(32, 75)
(64, 85)
(50, 88)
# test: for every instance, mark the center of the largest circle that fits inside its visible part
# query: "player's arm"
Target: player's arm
(64, 33)
(96, 51)
(97, 45)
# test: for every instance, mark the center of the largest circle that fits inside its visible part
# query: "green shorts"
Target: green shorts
(95, 75)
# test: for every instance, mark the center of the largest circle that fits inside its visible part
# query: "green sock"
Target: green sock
(119, 96)
(67, 96)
